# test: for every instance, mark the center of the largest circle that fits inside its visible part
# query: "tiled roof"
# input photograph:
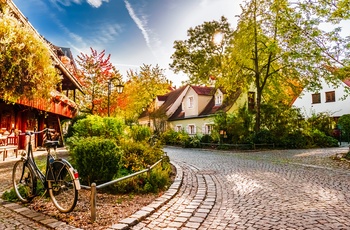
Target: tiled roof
(211, 108)
(347, 82)
(162, 98)
(169, 100)
(204, 90)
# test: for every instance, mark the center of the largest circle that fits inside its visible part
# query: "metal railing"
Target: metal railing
(93, 188)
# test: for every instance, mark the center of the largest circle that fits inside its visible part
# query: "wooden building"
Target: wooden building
(29, 115)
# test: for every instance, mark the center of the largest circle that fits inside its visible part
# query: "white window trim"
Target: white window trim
(194, 130)
(218, 98)
(206, 128)
(190, 105)
(178, 128)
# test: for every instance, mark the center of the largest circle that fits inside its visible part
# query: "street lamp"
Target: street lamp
(119, 88)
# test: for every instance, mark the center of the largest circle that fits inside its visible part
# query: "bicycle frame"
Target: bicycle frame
(29, 160)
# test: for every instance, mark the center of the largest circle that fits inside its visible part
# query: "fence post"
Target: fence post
(148, 172)
(93, 202)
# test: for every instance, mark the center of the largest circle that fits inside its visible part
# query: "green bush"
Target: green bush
(320, 139)
(96, 126)
(96, 159)
(140, 133)
(169, 137)
(264, 136)
(139, 155)
(295, 140)
(207, 139)
(159, 179)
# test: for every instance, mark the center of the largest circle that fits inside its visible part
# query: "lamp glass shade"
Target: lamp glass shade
(119, 88)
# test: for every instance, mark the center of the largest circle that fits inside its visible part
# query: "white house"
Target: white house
(328, 100)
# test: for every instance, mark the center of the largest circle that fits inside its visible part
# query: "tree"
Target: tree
(201, 56)
(142, 88)
(278, 48)
(344, 123)
(278, 42)
(26, 68)
(96, 70)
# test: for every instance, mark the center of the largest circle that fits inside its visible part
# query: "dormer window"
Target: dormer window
(218, 98)
(190, 102)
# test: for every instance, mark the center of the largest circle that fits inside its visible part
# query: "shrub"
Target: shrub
(169, 137)
(192, 141)
(96, 159)
(295, 140)
(207, 139)
(96, 126)
(320, 139)
(139, 155)
(263, 136)
(140, 133)
(159, 179)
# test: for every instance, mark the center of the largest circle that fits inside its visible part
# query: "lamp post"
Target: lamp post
(119, 88)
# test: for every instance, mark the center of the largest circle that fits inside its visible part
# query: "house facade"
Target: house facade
(328, 100)
(29, 115)
(200, 103)
(193, 109)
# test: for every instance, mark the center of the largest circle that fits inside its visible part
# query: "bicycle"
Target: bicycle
(61, 180)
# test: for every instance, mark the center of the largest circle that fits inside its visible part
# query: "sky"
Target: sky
(134, 32)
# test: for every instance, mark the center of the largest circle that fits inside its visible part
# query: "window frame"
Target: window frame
(193, 131)
(190, 102)
(330, 96)
(315, 96)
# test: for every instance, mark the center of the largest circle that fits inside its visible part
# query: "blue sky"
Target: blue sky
(134, 32)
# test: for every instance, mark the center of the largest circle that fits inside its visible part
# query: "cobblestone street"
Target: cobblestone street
(289, 189)
(273, 189)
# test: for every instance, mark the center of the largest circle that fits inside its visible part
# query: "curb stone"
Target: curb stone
(146, 211)
(43, 219)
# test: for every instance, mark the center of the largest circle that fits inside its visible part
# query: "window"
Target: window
(190, 102)
(316, 98)
(330, 96)
(178, 128)
(191, 129)
(218, 98)
(208, 128)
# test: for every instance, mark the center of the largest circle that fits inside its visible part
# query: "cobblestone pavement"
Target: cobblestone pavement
(290, 189)
(16, 216)
(275, 189)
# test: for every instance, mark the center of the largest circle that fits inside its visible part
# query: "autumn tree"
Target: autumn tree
(26, 68)
(277, 47)
(95, 72)
(141, 89)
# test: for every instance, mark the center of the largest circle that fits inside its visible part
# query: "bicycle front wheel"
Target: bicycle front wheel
(24, 181)
(62, 190)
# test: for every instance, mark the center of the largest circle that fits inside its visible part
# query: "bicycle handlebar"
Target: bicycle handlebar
(29, 133)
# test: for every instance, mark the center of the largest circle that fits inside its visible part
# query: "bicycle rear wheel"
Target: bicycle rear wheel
(24, 181)
(62, 190)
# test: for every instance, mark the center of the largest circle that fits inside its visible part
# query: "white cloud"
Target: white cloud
(141, 24)
(96, 3)
(59, 3)
(151, 38)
